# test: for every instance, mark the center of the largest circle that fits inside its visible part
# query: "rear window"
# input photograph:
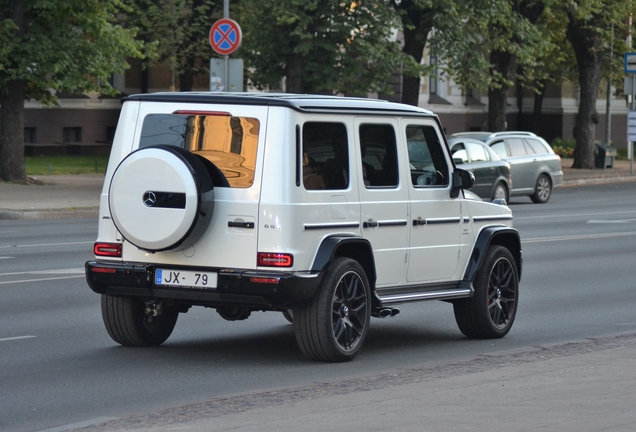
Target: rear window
(228, 142)
(537, 147)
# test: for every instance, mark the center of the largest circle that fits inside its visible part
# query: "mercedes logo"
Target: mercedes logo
(149, 198)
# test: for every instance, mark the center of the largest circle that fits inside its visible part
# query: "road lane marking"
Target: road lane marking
(81, 424)
(1, 257)
(76, 270)
(568, 215)
(45, 244)
(17, 338)
(611, 221)
(577, 237)
(40, 280)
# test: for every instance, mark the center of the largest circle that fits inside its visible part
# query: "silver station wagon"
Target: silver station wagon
(536, 169)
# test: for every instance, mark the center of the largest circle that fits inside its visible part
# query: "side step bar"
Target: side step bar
(428, 295)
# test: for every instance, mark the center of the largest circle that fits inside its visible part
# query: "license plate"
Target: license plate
(185, 278)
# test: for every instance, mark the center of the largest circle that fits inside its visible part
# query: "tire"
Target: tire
(500, 192)
(333, 326)
(128, 323)
(542, 190)
(490, 313)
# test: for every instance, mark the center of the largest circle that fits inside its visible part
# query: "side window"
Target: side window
(516, 146)
(500, 148)
(460, 156)
(379, 155)
(325, 156)
(536, 146)
(426, 157)
(476, 152)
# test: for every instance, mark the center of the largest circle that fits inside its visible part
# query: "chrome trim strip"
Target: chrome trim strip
(393, 223)
(491, 218)
(332, 225)
(443, 220)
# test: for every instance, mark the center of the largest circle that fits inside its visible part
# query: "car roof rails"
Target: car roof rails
(505, 133)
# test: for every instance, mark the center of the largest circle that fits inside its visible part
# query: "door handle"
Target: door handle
(419, 221)
(369, 224)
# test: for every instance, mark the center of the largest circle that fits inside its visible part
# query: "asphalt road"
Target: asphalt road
(58, 367)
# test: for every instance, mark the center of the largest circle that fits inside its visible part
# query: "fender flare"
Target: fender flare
(502, 236)
(354, 247)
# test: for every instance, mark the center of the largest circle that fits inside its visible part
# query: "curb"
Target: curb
(85, 212)
(602, 180)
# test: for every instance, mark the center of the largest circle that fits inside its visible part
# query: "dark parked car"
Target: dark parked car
(536, 169)
(492, 175)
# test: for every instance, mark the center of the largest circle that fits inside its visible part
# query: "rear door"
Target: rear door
(383, 196)
(232, 138)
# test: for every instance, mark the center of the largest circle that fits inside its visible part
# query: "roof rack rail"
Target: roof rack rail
(504, 133)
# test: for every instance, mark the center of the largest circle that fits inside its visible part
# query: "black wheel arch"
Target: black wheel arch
(502, 236)
(356, 248)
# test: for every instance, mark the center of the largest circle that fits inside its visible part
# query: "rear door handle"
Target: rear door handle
(240, 224)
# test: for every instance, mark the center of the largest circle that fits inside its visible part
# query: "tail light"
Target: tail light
(268, 259)
(112, 250)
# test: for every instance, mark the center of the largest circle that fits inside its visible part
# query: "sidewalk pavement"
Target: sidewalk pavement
(586, 385)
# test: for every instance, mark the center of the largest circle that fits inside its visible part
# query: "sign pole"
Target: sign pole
(630, 69)
(226, 78)
(630, 144)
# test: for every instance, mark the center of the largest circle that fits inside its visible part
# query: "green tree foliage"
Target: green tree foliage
(591, 27)
(176, 32)
(320, 46)
(50, 46)
(497, 43)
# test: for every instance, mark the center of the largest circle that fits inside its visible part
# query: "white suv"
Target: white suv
(331, 210)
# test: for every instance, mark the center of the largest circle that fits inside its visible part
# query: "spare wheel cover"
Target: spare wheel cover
(156, 198)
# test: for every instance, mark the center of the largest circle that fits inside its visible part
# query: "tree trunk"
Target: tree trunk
(186, 81)
(12, 132)
(538, 108)
(12, 107)
(418, 24)
(294, 73)
(503, 63)
(587, 45)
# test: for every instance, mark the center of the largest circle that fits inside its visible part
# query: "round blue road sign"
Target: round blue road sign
(225, 36)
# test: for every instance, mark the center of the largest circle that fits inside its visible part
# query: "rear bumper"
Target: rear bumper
(244, 288)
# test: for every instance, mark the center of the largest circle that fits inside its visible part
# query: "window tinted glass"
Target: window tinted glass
(379, 155)
(536, 146)
(476, 152)
(516, 147)
(325, 156)
(500, 148)
(427, 162)
(230, 143)
(460, 155)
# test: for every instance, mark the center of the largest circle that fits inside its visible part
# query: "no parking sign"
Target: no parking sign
(225, 36)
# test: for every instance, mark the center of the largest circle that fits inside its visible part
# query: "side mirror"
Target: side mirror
(462, 179)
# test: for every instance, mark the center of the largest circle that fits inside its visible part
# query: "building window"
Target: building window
(72, 134)
(29, 135)
(432, 80)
